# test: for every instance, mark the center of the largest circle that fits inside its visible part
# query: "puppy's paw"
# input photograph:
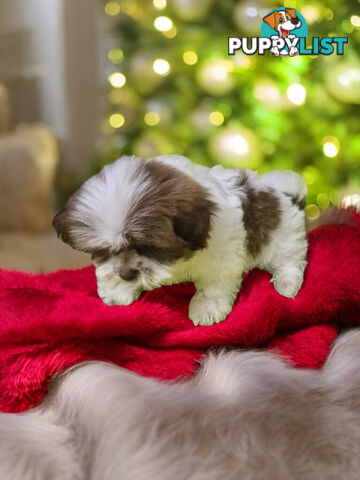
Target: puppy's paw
(207, 311)
(286, 284)
(118, 298)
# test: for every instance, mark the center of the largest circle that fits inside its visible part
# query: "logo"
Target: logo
(289, 26)
(284, 33)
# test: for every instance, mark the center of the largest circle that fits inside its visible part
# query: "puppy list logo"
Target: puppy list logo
(283, 33)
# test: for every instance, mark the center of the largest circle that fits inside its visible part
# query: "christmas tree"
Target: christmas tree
(172, 88)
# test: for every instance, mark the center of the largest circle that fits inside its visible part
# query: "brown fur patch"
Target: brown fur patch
(261, 215)
(171, 219)
(63, 224)
(299, 202)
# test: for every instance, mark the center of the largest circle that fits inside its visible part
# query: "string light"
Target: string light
(112, 8)
(331, 146)
(216, 118)
(151, 118)
(159, 4)
(161, 66)
(190, 58)
(296, 93)
(116, 55)
(163, 24)
(116, 120)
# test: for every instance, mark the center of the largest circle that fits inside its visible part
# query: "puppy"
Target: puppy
(283, 22)
(162, 221)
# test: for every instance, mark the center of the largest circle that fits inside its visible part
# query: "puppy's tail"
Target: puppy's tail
(289, 183)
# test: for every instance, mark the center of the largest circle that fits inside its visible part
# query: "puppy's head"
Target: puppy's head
(283, 21)
(137, 219)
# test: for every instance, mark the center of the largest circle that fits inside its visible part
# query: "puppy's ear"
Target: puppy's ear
(61, 224)
(65, 225)
(291, 12)
(271, 19)
(192, 223)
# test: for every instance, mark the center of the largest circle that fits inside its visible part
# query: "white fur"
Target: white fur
(216, 270)
(245, 415)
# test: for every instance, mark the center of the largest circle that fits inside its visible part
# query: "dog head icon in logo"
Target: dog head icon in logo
(287, 24)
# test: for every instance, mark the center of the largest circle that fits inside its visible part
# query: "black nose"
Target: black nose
(295, 21)
(128, 274)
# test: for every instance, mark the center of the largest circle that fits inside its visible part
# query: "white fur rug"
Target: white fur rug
(246, 415)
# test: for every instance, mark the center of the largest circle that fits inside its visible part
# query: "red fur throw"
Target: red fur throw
(51, 322)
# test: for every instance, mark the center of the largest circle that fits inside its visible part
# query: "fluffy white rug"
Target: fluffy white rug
(246, 415)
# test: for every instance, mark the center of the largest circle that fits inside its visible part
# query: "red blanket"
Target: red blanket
(51, 322)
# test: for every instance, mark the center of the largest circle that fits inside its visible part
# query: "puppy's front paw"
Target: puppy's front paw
(287, 285)
(118, 298)
(207, 311)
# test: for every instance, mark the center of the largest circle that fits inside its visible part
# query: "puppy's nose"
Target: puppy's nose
(295, 21)
(128, 274)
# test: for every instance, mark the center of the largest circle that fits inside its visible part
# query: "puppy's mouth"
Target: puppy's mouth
(284, 33)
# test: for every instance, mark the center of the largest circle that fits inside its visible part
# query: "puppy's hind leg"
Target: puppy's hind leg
(288, 262)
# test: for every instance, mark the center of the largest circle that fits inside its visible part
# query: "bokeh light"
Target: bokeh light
(216, 118)
(117, 120)
(214, 76)
(163, 24)
(322, 200)
(151, 118)
(170, 33)
(312, 211)
(159, 4)
(239, 144)
(355, 21)
(161, 66)
(116, 55)
(179, 91)
(190, 58)
(331, 146)
(112, 8)
(296, 93)
(117, 79)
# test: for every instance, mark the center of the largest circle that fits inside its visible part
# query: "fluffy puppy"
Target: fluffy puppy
(161, 221)
(245, 415)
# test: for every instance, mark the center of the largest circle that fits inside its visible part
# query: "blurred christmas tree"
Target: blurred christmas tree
(172, 88)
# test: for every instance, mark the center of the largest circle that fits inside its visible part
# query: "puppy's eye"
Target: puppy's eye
(281, 20)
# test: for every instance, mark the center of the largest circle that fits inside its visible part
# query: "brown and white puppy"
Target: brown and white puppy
(284, 22)
(161, 221)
